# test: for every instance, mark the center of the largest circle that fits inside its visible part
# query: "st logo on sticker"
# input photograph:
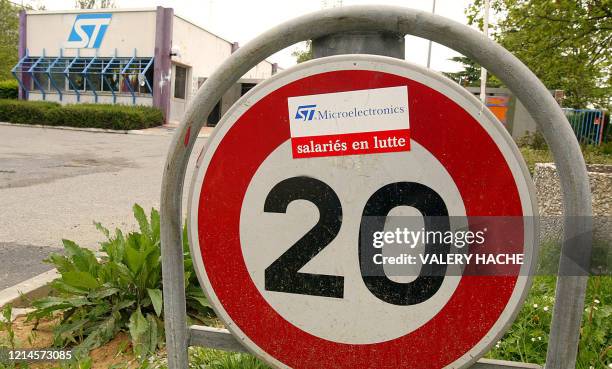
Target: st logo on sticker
(350, 123)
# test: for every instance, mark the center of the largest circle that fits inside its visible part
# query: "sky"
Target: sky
(242, 20)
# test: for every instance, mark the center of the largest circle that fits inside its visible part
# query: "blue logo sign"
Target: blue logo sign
(88, 31)
(305, 112)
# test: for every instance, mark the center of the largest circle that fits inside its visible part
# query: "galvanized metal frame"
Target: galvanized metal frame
(571, 286)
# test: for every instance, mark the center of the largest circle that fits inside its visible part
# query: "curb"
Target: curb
(153, 131)
(35, 287)
(66, 128)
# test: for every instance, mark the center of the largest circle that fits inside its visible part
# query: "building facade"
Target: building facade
(123, 56)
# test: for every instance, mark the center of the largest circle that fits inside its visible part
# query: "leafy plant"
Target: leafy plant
(6, 325)
(121, 291)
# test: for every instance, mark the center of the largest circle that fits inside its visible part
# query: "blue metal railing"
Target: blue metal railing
(36, 67)
(115, 63)
(52, 71)
(125, 74)
(588, 125)
(84, 74)
(20, 69)
(73, 67)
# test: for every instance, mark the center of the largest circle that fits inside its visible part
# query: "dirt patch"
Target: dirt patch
(116, 352)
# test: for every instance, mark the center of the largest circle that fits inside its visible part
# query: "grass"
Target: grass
(592, 155)
(527, 339)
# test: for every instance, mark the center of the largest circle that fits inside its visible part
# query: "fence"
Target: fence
(588, 125)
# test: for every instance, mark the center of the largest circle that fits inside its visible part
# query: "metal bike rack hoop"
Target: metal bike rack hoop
(471, 43)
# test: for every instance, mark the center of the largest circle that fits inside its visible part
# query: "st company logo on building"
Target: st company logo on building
(305, 112)
(88, 31)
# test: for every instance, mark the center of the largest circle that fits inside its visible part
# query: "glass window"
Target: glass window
(201, 81)
(113, 77)
(78, 82)
(180, 77)
(56, 74)
(75, 74)
(112, 80)
(43, 80)
(143, 89)
(246, 87)
(94, 82)
(214, 116)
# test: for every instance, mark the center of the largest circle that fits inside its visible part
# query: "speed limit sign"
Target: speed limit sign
(303, 166)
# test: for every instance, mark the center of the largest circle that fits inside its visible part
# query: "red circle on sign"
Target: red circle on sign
(471, 157)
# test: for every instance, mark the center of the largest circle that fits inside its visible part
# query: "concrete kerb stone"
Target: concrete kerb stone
(154, 131)
(22, 293)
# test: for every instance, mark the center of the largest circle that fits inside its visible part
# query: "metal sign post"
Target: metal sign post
(387, 23)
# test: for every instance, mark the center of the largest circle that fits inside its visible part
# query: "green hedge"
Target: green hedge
(121, 117)
(9, 89)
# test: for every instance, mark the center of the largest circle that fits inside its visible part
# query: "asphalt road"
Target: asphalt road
(55, 183)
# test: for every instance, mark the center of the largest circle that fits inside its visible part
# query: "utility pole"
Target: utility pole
(433, 11)
(483, 72)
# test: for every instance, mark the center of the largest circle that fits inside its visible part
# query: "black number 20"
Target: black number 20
(283, 274)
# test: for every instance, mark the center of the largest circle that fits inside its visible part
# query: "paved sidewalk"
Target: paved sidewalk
(55, 183)
(20, 262)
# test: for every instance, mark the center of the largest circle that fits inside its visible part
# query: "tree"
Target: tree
(92, 4)
(470, 75)
(303, 55)
(566, 43)
(9, 38)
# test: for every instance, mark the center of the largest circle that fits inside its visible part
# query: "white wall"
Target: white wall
(204, 52)
(262, 70)
(199, 49)
(128, 29)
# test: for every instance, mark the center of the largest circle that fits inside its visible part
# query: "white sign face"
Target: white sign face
(281, 214)
(350, 123)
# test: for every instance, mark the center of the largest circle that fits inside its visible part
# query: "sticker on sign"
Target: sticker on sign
(350, 123)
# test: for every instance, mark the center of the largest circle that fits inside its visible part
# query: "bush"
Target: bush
(120, 117)
(26, 112)
(122, 291)
(9, 89)
(533, 140)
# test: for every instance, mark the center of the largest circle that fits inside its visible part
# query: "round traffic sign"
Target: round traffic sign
(299, 187)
